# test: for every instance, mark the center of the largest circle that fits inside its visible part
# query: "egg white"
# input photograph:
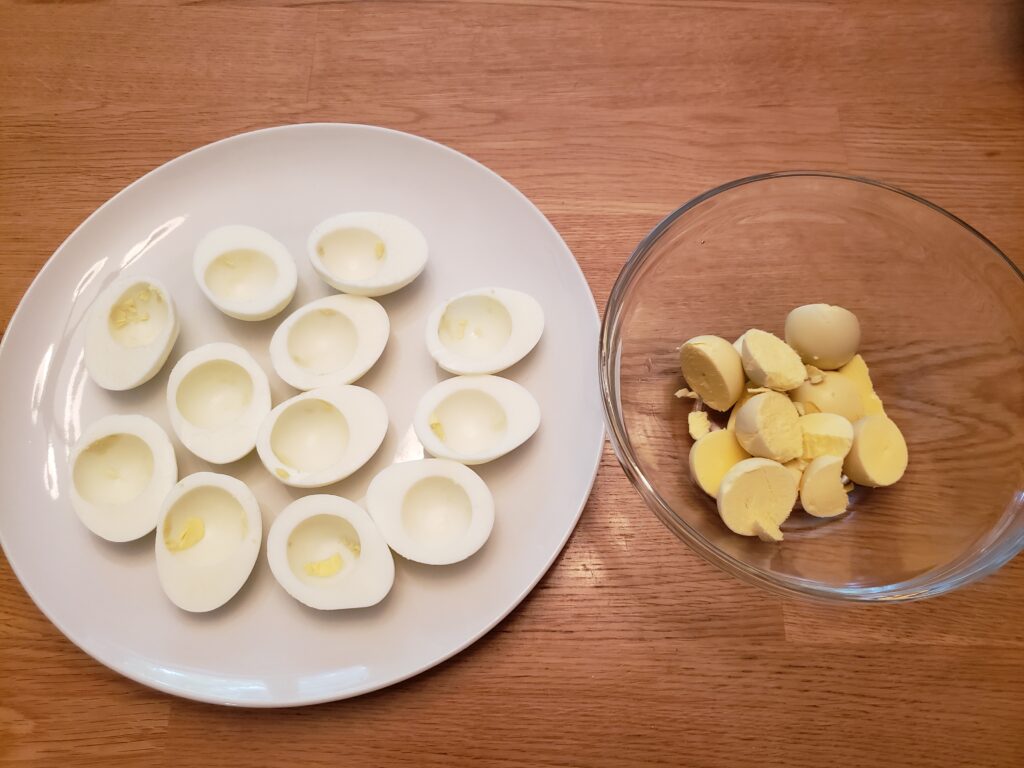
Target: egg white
(367, 253)
(131, 329)
(484, 331)
(121, 469)
(323, 529)
(334, 340)
(217, 398)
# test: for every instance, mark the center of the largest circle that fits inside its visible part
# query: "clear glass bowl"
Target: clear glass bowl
(942, 318)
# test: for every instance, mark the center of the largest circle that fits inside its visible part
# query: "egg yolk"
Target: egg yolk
(436, 427)
(378, 250)
(190, 534)
(326, 567)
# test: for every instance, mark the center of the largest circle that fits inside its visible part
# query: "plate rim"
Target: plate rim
(198, 695)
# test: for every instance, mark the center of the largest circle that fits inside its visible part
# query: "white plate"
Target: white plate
(264, 648)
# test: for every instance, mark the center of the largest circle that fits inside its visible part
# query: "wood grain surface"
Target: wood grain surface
(608, 114)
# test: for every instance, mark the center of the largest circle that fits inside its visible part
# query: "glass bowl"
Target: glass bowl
(942, 319)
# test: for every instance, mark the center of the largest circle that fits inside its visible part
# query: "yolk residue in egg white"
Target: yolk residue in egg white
(188, 535)
(326, 567)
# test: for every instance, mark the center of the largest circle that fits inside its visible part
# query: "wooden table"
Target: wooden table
(608, 115)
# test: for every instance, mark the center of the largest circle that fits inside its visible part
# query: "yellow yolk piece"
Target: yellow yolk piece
(378, 249)
(323, 568)
(713, 370)
(857, 371)
(698, 423)
(712, 456)
(436, 427)
(190, 534)
(833, 394)
(826, 434)
(284, 474)
(768, 426)
(771, 362)
(821, 491)
(879, 454)
(755, 498)
(824, 335)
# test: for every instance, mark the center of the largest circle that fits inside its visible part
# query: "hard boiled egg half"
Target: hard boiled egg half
(131, 328)
(367, 253)
(207, 540)
(432, 511)
(326, 553)
(121, 470)
(475, 419)
(244, 272)
(217, 397)
(322, 436)
(334, 340)
(484, 331)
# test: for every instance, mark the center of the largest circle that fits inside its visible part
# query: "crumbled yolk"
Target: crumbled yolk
(191, 533)
(378, 250)
(323, 568)
(284, 474)
(436, 427)
(128, 310)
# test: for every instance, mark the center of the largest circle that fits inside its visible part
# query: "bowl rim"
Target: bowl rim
(958, 572)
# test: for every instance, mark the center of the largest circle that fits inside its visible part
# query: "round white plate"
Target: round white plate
(264, 648)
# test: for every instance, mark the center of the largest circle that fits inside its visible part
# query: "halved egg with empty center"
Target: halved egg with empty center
(131, 328)
(244, 272)
(218, 396)
(432, 511)
(333, 340)
(475, 419)
(121, 470)
(208, 538)
(322, 436)
(326, 553)
(484, 331)
(366, 253)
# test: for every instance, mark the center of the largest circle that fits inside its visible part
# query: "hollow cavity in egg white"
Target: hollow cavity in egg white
(475, 419)
(330, 341)
(113, 470)
(310, 435)
(367, 253)
(322, 341)
(432, 511)
(484, 331)
(322, 436)
(352, 254)
(244, 272)
(214, 394)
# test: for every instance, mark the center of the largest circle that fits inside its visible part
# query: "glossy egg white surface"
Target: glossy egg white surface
(132, 327)
(333, 340)
(367, 253)
(322, 436)
(121, 469)
(475, 419)
(208, 537)
(327, 554)
(217, 398)
(244, 272)
(264, 648)
(484, 331)
(433, 511)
